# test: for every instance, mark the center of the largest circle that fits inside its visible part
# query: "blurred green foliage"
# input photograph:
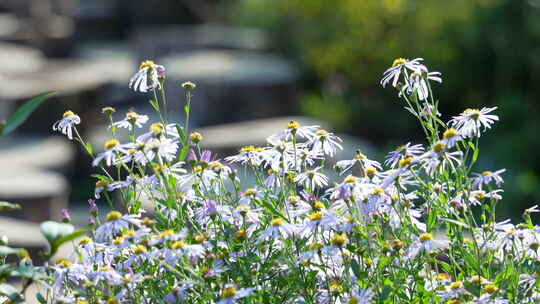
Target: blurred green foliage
(488, 51)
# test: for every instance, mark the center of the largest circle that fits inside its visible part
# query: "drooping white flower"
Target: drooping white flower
(312, 179)
(147, 78)
(64, 125)
(471, 121)
(131, 119)
(399, 67)
(487, 177)
(325, 142)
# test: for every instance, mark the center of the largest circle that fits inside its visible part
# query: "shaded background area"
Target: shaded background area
(262, 62)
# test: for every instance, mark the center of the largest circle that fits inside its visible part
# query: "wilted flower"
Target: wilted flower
(67, 122)
(147, 78)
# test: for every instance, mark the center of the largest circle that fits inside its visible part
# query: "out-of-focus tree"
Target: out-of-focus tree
(488, 51)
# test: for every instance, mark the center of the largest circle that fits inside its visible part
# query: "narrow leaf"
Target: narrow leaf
(23, 112)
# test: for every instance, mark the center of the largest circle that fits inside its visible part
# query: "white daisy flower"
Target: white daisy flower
(325, 142)
(147, 78)
(401, 152)
(425, 243)
(470, 122)
(487, 177)
(361, 296)
(277, 229)
(312, 179)
(417, 82)
(451, 136)
(400, 66)
(113, 152)
(294, 129)
(65, 124)
(229, 294)
(114, 223)
(131, 119)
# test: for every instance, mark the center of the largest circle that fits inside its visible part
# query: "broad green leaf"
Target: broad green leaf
(23, 112)
(54, 230)
(7, 206)
(58, 242)
(11, 292)
(5, 250)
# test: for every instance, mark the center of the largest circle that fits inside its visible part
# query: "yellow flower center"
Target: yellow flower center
(349, 179)
(111, 144)
(64, 263)
(406, 161)
(178, 245)
(139, 249)
(102, 183)
(85, 240)
(456, 285)
(442, 276)
(378, 191)
(293, 199)
(353, 300)
(131, 116)
(68, 114)
(318, 205)
(247, 149)
(371, 171)
(156, 128)
(477, 279)
(195, 137)
(335, 287)
(449, 133)
(315, 216)
(293, 125)
(276, 222)
(339, 240)
(112, 300)
(243, 208)
(438, 147)
(199, 239)
(216, 165)
(118, 240)
(473, 113)
(398, 61)
(250, 192)
(490, 288)
(113, 216)
(228, 292)
(316, 246)
(240, 234)
(360, 155)
(426, 237)
(321, 132)
(166, 233)
(147, 64)
(485, 173)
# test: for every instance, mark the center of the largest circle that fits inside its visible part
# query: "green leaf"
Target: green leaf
(154, 105)
(54, 230)
(40, 298)
(58, 242)
(11, 292)
(458, 223)
(23, 112)
(5, 251)
(185, 146)
(7, 206)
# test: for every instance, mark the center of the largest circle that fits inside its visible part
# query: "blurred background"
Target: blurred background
(257, 63)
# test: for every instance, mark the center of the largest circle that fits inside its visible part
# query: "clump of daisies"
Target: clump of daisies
(418, 227)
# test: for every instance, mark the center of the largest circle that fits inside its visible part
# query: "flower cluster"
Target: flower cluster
(287, 223)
